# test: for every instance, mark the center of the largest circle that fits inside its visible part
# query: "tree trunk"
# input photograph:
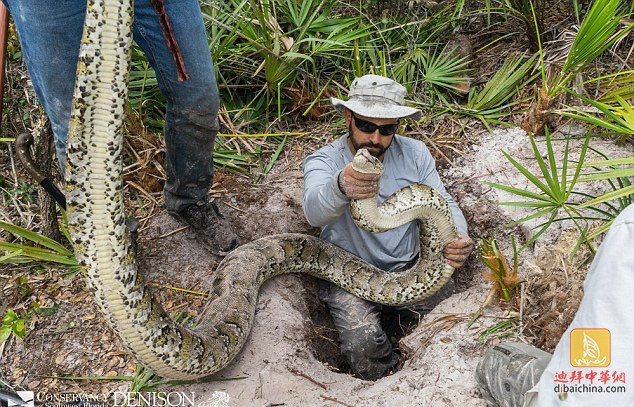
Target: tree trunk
(44, 154)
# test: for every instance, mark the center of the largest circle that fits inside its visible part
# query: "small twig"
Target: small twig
(143, 223)
(141, 190)
(234, 207)
(171, 287)
(439, 324)
(323, 396)
(172, 232)
(563, 266)
(326, 338)
(522, 297)
(305, 376)
(16, 183)
(462, 181)
(2, 345)
(132, 150)
(258, 389)
(3, 303)
(429, 143)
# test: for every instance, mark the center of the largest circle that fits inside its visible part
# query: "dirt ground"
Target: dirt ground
(291, 357)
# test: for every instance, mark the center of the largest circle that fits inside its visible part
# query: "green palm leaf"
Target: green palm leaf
(21, 253)
(595, 35)
(445, 69)
(618, 119)
(617, 177)
(619, 193)
(555, 191)
(503, 85)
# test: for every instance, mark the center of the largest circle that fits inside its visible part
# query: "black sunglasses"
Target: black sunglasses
(369, 127)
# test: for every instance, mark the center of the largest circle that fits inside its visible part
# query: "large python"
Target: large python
(98, 230)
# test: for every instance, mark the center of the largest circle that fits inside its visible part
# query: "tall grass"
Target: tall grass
(265, 51)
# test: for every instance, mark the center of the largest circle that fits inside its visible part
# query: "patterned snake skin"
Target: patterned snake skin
(102, 245)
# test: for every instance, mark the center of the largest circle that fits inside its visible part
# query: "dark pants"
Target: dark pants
(50, 34)
(364, 343)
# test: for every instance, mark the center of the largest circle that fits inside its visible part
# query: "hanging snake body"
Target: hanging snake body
(103, 247)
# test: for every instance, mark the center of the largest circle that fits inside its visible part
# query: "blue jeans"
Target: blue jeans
(50, 33)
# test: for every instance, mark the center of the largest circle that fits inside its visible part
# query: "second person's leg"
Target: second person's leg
(191, 117)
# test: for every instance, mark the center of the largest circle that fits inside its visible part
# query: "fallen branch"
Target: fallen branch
(334, 400)
(305, 376)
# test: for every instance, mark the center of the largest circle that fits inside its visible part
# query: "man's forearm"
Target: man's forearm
(323, 200)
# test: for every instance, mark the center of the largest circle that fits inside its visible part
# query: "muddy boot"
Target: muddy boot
(508, 371)
(368, 352)
(212, 229)
(364, 344)
(373, 370)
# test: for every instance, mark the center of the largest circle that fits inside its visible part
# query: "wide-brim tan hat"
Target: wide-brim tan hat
(378, 97)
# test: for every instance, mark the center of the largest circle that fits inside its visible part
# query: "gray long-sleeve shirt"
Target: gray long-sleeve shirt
(406, 161)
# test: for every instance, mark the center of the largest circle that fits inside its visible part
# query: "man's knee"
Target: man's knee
(364, 344)
(347, 310)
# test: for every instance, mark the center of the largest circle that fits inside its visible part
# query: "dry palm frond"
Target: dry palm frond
(504, 278)
(557, 50)
(554, 289)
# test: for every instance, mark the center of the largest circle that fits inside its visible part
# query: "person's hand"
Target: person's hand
(459, 250)
(358, 185)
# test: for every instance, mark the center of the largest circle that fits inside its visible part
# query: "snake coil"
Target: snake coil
(102, 246)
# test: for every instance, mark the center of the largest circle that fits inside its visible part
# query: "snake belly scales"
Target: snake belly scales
(94, 190)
